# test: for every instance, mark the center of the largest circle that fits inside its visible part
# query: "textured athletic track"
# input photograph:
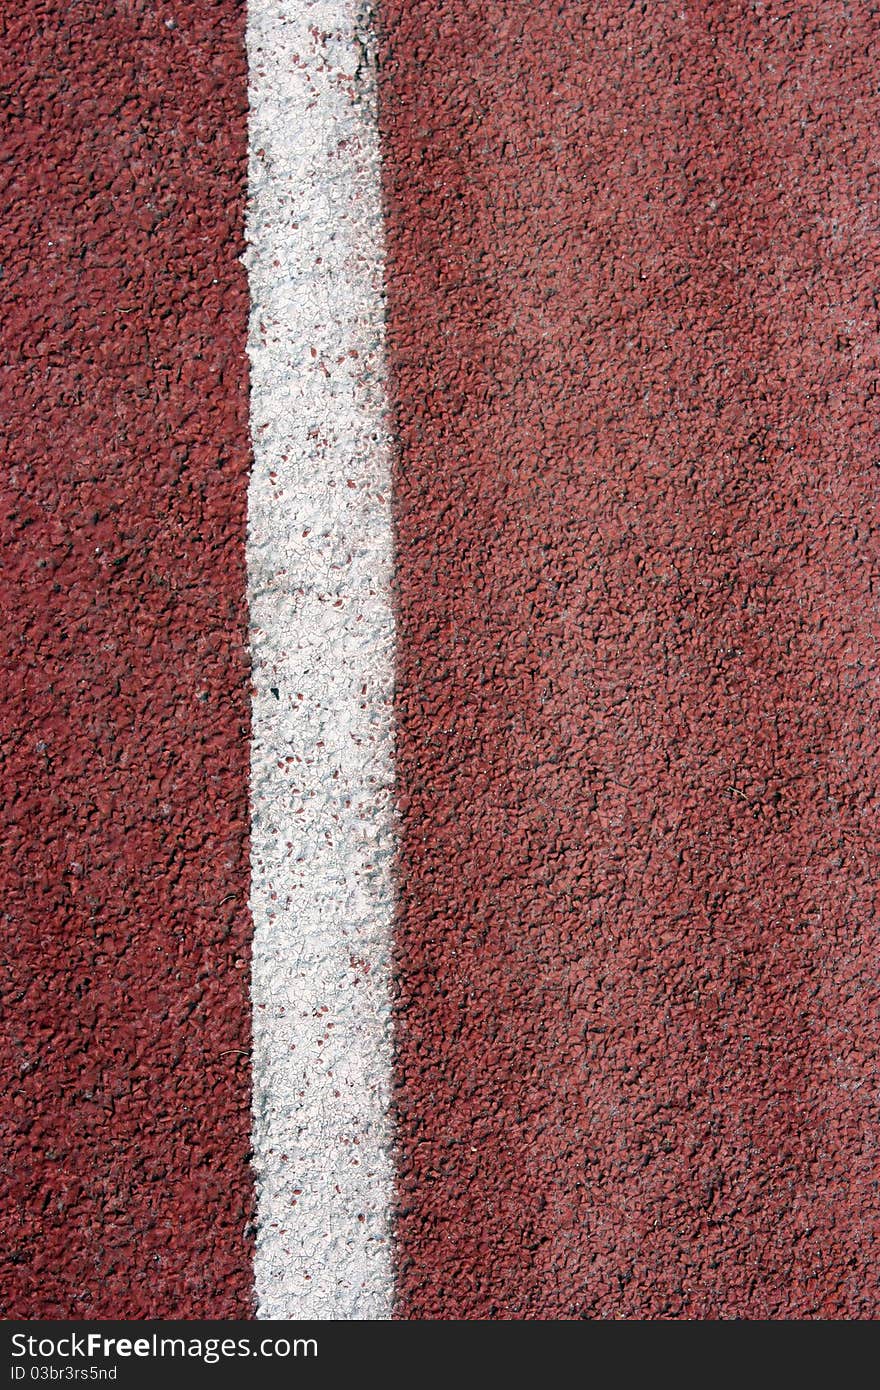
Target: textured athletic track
(633, 332)
(125, 716)
(633, 349)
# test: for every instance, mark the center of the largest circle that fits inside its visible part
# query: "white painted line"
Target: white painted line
(319, 574)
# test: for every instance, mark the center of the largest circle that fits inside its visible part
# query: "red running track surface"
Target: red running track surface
(634, 348)
(124, 720)
(633, 338)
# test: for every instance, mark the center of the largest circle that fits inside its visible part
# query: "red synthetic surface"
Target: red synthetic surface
(125, 716)
(634, 343)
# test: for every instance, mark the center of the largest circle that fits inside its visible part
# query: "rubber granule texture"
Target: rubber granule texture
(125, 716)
(634, 345)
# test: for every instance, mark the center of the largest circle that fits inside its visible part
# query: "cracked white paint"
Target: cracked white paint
(319, 573)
